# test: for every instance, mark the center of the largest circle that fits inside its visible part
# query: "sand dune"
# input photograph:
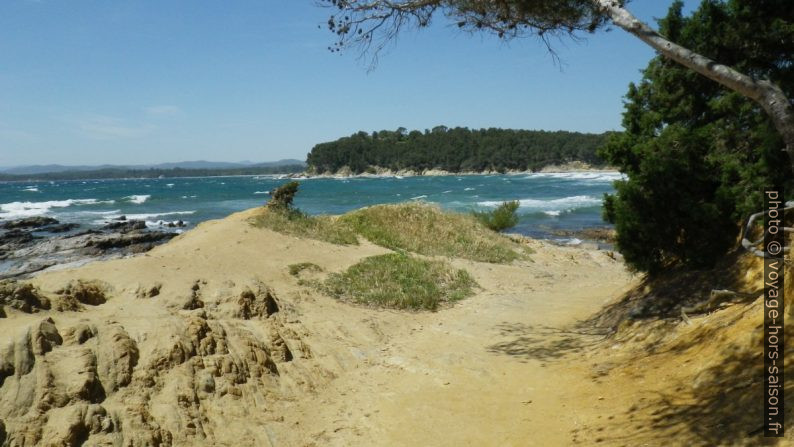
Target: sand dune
(208, 340)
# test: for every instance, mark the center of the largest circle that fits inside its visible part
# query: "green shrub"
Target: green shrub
(282, 197)
(400, 281)
(697, 156)
(501, 218)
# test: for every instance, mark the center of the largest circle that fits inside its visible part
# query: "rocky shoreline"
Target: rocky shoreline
(34, 244)
(378, 172)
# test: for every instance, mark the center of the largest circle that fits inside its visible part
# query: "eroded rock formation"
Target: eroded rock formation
(73, 377)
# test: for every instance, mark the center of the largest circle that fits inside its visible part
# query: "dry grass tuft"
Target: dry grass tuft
(414, 227)
(427, 230)
(295, 223)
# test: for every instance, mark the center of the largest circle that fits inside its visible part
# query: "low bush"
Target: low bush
(400, 281)
(501, 218)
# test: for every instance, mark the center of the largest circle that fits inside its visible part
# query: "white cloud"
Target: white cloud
(163, 110)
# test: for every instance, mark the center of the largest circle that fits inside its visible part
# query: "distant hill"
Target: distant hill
(153, 172)
(198, 164)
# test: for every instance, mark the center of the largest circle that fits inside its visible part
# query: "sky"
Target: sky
(150, 81)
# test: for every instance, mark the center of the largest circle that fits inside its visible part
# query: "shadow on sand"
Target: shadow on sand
(723, 407)
(716, 401)
(527, 342)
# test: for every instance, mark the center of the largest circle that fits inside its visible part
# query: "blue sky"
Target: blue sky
(130, 82)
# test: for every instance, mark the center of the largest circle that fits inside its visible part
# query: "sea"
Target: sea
(549, 202)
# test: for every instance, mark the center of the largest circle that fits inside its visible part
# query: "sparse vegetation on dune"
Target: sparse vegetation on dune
(415, 227)
(501, 218)
(279, 215)
(427, 230)
(295, 223)
(400, 281)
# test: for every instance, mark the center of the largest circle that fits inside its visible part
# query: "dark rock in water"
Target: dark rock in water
(121, 218)
(26, 268)
(12, 240)
(24, 252)
(180, 223)
(87, 232)
(30, 222)
(134, 238)
(125, 225)
(60, 228)
(15, 237)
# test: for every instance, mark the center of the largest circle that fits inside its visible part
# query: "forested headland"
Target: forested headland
(456, 149)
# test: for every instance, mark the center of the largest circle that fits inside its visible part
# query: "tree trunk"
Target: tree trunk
(769, 96)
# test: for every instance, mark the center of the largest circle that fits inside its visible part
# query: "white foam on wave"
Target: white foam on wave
(261, 192)
(108, 216)
(552, 213)
(447, 192)
(138, 199)
(418, 197)
(160, 224)
(169, 185)
(27, 209)
(468, 189)
(145, 216)
(100, 213)
(593, 176)
(31, 189)
(561, 204)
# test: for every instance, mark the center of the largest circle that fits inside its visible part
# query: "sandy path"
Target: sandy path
(484, 372)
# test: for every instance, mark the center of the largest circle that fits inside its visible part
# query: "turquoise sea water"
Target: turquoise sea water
(548, 200)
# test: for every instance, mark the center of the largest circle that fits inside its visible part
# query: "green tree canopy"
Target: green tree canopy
(455, 150)
(365, 22)
(697, 155)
